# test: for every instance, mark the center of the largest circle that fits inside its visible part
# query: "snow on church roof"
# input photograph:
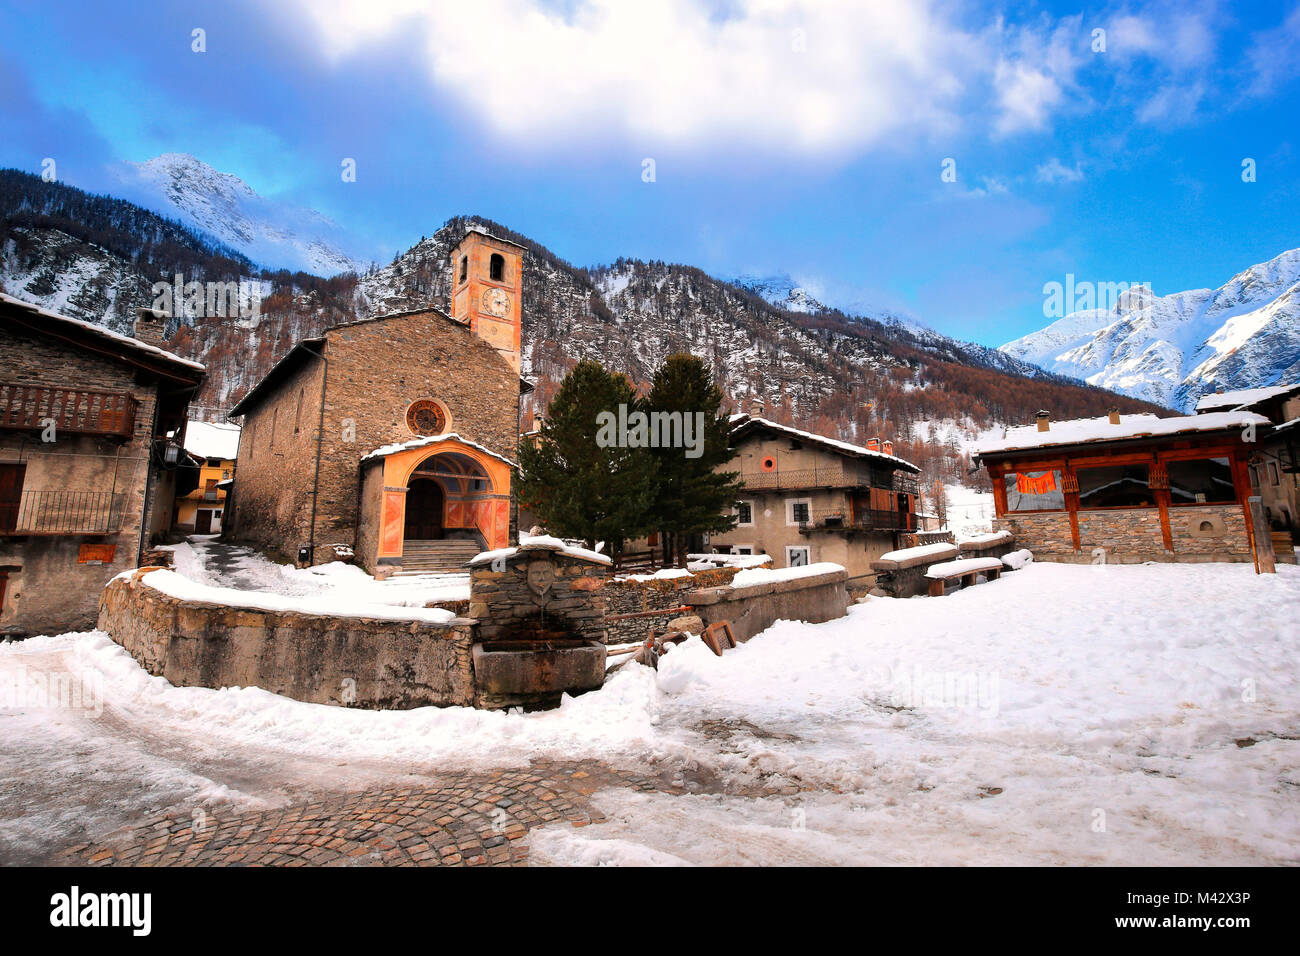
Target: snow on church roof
(386, 450)
(1084, 430)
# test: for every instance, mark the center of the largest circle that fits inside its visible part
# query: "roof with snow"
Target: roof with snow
(42, 320)
(1244, 397)
(386, 450)
(541, 542)
(212, 440)
(1082, 431)
(743, 424)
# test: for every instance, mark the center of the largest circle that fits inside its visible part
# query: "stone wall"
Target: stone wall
(756, 607)
(276, 468)
(320, 659)
(1046, 534)
(625, 596)
(1209, 533)
(1133, 535)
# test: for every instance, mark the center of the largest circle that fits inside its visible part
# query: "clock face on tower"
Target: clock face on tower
(496, 302)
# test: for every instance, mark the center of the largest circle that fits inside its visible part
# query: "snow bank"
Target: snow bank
(1017, 559)
(178, 586)
(772, 575)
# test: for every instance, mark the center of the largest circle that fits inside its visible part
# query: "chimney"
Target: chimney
(1044, 420)
(887, 446)
(873, 444)
(1113, 413)
(150, 327)
(756, 407)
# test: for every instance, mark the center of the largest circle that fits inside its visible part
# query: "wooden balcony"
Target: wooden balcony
(859, 519)
(73, 411)
(834, 475)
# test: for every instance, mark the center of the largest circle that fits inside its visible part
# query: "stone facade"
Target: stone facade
(347, 393)
(53, 575)
(316, 658)
(1133, 535)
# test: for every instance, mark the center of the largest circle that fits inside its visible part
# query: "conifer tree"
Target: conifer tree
(577, 488)
(694, 497)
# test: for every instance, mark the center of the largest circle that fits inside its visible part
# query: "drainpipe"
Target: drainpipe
(320, 440)
(148, 476)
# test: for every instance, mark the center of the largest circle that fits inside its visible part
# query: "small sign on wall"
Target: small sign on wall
(97, 554)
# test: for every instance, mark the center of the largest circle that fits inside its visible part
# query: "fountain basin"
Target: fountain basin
(528, 668)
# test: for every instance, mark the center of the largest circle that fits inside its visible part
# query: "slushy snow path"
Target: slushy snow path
(1064, 714)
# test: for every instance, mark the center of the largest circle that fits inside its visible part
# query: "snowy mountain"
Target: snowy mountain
(96, 258)
(782, 292)
(1173, 349)
(273, 234)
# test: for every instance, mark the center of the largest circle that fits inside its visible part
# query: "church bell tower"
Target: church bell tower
(487, 290)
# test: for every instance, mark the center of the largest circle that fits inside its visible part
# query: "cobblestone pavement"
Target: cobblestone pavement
(458, 820)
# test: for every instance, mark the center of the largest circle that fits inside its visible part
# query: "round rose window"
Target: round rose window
(426, 417)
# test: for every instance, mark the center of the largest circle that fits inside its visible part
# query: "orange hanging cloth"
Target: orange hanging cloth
(1036, 484)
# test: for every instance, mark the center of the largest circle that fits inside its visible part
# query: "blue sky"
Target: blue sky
(806, 138)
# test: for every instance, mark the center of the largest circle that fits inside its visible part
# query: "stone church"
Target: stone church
(392, 437)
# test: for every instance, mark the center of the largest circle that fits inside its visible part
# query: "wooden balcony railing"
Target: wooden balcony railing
(73, 411)
(832, 476)
(860, 519)
(62, 512)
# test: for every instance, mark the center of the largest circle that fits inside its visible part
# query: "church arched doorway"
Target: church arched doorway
(425, 507)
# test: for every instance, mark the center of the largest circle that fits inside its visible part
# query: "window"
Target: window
(297, 415)
(1273, 477)
(745, 514)
(1115, 486)
(497, 267)
(1035, 491)
(1199, 481)
(464, 268)
(275, 417)
(796, 556)
(742, 549)
(797, 511)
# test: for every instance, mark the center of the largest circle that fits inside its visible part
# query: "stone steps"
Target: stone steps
(437, 557)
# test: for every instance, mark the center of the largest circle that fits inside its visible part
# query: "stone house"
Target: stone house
(809, 498)
(212, 447)
(392, 437)
(86, 471)
(1275, 466)
(1127, 490)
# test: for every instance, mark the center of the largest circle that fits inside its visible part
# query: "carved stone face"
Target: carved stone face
(541, 575)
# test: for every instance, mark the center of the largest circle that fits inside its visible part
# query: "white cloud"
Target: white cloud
(1054, 171)
(677, 72)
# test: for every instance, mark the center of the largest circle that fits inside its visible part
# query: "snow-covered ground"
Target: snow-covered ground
(1064, 714)
(213, 566)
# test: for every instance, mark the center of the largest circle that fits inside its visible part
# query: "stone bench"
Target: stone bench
(901, 573)
(992, 545)
(965, 570)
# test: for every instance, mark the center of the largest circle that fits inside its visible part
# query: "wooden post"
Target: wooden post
(1264, 558)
